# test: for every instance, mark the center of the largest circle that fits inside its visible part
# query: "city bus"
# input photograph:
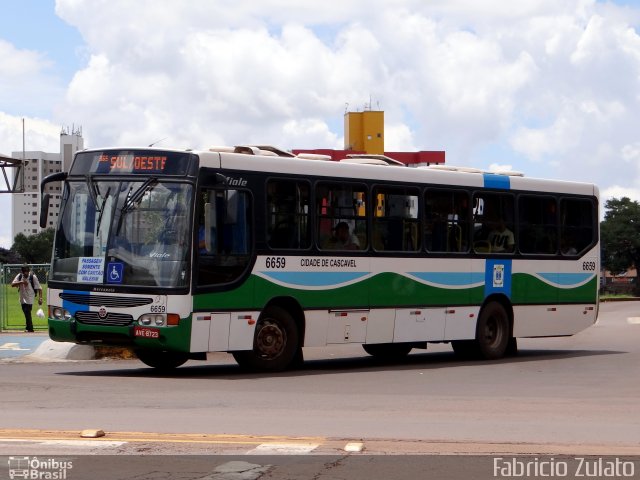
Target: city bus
(258, 252)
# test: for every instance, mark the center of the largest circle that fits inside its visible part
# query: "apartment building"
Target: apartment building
(25, 211)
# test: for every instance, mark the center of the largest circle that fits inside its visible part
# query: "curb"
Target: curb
(51, 350)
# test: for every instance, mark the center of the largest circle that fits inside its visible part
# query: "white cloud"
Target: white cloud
(26, 84)
(398, 138)
(549, 88)
(496, 167)
(18, 64)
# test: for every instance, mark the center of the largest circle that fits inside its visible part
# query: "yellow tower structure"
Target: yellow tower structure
(364, 131)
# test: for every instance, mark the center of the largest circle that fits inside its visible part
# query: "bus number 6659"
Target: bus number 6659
(275, 262)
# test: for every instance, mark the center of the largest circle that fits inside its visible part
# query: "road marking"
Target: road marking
(14, 347)
(283, 449)
(633, 320)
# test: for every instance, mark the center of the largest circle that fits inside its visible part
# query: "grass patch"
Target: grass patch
(12, 316)
(617, 296)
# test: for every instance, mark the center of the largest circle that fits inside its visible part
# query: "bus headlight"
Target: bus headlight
(156, 319)
(59, 313)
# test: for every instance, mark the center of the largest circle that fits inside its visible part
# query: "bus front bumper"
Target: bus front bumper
(174, 338)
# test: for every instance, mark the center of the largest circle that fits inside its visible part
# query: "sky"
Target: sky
(547, 88)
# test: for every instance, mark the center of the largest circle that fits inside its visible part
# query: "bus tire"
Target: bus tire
(161, 359)
(275, 343)
(388, 351)
(492, 331)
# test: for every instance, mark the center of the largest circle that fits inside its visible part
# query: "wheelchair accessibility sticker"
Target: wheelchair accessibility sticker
(114, 272)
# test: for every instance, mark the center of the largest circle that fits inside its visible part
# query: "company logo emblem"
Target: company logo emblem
(102, 312)
(498, 276)
(236, 182)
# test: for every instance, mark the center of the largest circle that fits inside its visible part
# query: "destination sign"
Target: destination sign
(118, 162)
(130, 163)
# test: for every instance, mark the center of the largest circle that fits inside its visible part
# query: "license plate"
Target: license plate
(145, 332)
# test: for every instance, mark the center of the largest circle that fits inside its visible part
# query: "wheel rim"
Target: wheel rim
(493, 331)
(270, 340)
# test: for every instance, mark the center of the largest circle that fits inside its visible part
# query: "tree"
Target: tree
(34, 248)
(620, 237)
(9, 256)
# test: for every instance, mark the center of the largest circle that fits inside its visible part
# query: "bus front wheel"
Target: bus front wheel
(275, 342)
(160, 359)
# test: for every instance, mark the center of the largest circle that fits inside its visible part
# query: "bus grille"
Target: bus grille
(106, 301)
(112, 319)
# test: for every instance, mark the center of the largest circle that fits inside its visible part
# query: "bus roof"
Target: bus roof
(266, 158)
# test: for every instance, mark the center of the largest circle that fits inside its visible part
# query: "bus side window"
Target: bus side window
(447, 220)
(395, 222)
(224, 235)
(493, 218)
(538, 224)
(338, 203)
(577, 221)
(288, 214)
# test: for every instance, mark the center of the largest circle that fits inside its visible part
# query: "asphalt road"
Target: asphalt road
(574, 395)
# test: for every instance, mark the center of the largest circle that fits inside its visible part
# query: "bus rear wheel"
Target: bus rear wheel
(388, 351)
(492, 331)
(275, 342)
(161, 359)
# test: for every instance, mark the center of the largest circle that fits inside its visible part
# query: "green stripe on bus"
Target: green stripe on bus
(389, 290)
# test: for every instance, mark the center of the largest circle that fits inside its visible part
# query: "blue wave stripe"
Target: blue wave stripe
(315, 279)
(450, 278)
(566, 278)
(75, 307)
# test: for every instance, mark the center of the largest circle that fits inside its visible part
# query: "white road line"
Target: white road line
(283, 449)
(633, 320)
(12, 347)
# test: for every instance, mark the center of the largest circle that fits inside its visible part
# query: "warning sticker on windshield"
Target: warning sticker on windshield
(90, 269)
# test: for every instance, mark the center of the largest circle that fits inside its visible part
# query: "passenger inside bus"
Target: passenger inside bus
(501, 238)
(342, 239)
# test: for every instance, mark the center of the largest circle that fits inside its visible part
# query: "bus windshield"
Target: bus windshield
(124, 232)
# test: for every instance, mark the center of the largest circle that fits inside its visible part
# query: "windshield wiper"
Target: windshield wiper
(93, 192)
(101, 210)
(133, 199)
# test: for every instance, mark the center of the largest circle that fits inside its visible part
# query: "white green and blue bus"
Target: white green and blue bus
(177, 253)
